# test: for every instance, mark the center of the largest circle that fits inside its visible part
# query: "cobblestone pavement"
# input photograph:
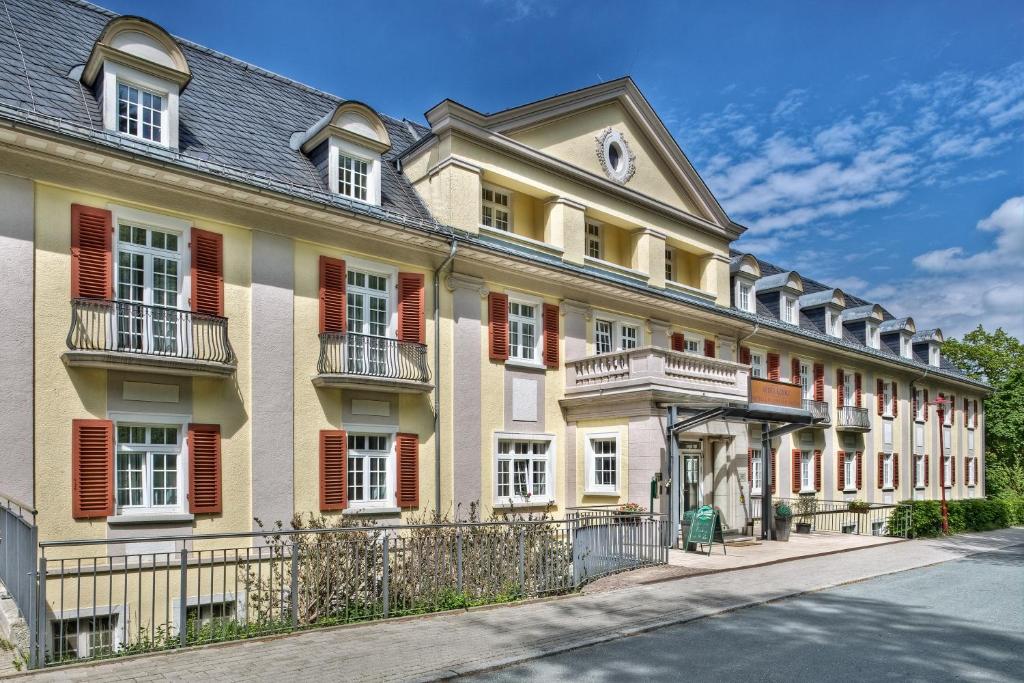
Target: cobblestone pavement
(458, 643)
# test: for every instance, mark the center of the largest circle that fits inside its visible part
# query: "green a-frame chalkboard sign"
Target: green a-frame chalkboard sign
(705, 529)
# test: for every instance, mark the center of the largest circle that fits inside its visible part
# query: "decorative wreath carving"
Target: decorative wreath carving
(616, 157)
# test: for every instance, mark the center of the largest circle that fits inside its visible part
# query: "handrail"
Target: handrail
(348, 353)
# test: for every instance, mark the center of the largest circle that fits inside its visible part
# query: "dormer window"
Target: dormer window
(745, 296)
(788, 309)
(140, 113)
(933, 355)
(905, 349)
(871, 333)
(594, 243)
(496, 208)
(670, 271)
(353, 177)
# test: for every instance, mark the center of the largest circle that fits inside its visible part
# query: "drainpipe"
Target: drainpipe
(437, 373)
(913, 424)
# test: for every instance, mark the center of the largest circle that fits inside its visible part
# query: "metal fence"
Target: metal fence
(18, 539)
(368, 355)
(851, 517)
(150, 594)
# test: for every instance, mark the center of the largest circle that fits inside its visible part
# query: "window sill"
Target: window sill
(532, 503)
(806, 492)
(888, 488)
(150, 518)
(850, 490)
(533, 365)
(521, 239)
(693, 291)
(355, 512)
(607, 494)
(615, 268)
(920, 487)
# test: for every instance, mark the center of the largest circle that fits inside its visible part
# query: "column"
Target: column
(649, 255)
(564, 227)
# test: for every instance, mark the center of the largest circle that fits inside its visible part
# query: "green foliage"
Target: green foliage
(783, 511)
(972, 514)
(858, 506)
(997, 358)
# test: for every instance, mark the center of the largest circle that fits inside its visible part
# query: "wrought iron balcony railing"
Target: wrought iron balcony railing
(126, 327)
(819, 409)
(365, 355)
(853, 418)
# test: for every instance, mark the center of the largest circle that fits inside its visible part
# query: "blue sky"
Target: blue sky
(875, 146)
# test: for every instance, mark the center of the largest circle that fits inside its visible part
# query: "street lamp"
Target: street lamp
(940, 402)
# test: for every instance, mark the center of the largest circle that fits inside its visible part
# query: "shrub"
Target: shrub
(973, 514)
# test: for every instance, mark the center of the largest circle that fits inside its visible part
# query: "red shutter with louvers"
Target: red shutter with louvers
(860, 470)
(204, 475)
(896, 471)
(975, 425)
(952, 410)
(841, 470)
(750, 465)
(745, 355)
(840, 387)
(925, 405)
(410, 307)
(773, 367)
(678, 341)
(497, 325)
(332, 294)
(940, 411)
(795, 375)
(819, 381)
(207, 272)
(914, 406)
(952, 471)
(775, 467)
(881, 471)
(709, 348)
(92, 468)
(880, 394)
(895, 400)
(857, 390)
(817, 470)
(796, 471)
(927, 469)
(407, 447)
(551, 335)
(91, 260)
(333, 469)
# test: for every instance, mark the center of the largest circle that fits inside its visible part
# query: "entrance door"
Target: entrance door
(693, 495)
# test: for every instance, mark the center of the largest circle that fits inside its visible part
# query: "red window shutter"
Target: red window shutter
(410, 307)
(819, 381)
(881, 471)
(91, 260)
(860, 470)
(896, 471)
(952, 471)
(204, 476)
(927, 469)
(745, 355)
(773, 367)
(841, 470)
(895, 400)
(497, 325)
(207, 272)
(880, 393)
(775, 467)
(750, 465)
(795, 375)
(92, 468)
(925, 405)
(709, 348)
(914, 404)
(940, 411)
(975, 425)
(678, 341)
(551, 335)
(332, 294)
(333, 469)
(817, 470)
(407, 446)
(857, 390)
(796, 471)
(840, 386)
(952, 410)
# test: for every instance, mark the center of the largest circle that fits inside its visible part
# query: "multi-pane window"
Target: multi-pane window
(933, 355)
(849, 391)
(887, 470)
(887, 400)
(947, 470)
(368, 458)
(806, 381)
(670, 270)
(971, 473)
(743, 297)
(496, 209)
(872, 335)
(630, 336)
(756, 364)
(353, 177)
(693, 343)
(919, 471)
(921, 406)
(139, 113)
(755, 472)
(970, 416)
(850, 471)
(522, 331)
(594, 241)
(603, 336)
(148, 273)
(806, 470)
(612, 336)
(604, 464)
(83, 637)
(523, 469)
(366, 300)
(147, 465)
(789, 309)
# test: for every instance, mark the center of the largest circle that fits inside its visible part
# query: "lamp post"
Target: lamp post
(940, 402)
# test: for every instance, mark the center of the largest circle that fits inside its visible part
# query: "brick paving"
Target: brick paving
(448, 645)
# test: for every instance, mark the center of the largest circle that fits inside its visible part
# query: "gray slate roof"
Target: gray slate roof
(772, 281)
(819, 298)
(896, 325)
(231, 113)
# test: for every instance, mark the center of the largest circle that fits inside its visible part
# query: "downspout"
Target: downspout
(913, 423)
(437, 373)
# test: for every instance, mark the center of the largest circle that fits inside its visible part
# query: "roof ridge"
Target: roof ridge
(236, 61)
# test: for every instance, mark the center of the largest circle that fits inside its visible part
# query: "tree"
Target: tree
(997, 358)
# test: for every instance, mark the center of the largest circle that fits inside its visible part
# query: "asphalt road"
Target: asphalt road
(960, 620)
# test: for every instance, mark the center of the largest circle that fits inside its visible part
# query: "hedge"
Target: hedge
(974, 514)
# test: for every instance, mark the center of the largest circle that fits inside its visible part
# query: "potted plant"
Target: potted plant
(783, 521)
(629, 513)
(859, 506)
(805, 509)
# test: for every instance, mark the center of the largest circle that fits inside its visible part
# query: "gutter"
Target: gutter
(437, 372)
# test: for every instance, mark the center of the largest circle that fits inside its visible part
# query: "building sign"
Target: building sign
(775, 393)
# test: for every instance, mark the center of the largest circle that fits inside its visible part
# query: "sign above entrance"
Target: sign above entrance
(773, 393)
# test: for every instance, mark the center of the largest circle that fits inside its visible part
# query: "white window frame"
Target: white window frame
(139, 105)
(806, 381)
(888, 473)
(538, 336)
(83, 617)
(506, 501)
(496, 206)
(389, 501)
(788, 310)
(617, 326)
(887, 399)
(849, 390)
(919, 471)
(970, 442)
(338, 147)
(758, 366)
(595, 241)
(906, 348)
(871, 333)
(113, 74)
(178, 421)
(850, 472)
(833, 325)
(922, 408)
(756, 464)
(670, 264)
(969, 416)
(592, 486)
(807, 471)
(696, 339)
(947, 471)
(355, 185)
(744, 302)
(934, 355)
(972, 474)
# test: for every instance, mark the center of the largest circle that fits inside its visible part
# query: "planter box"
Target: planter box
(803, 527)
(782, 526)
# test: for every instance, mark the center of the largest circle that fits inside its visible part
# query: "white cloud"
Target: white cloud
(1007, 222)
(790, 102)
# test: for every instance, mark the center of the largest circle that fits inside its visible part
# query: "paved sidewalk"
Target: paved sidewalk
(452, 644)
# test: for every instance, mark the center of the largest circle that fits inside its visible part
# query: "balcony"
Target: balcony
(360, 361)
(850, 419)
(820, 411)
(123, 335)
(651, 373)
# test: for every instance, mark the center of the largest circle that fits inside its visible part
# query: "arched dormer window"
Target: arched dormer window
(346, 147)
(138, 71)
